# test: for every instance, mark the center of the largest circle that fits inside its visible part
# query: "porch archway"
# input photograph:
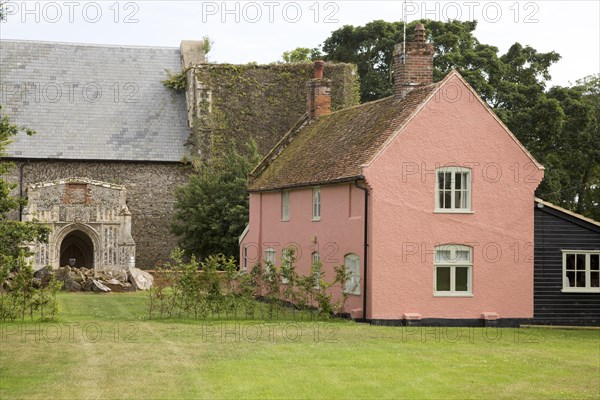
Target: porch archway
(77, 249)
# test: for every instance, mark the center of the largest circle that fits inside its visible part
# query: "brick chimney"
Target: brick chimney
(414, 67)
(319, 93)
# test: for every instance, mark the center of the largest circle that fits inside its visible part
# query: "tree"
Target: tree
(571, 148)
(13, 234)
(211, 211)
(301, 54)
(23, 297)
(370, 47)
(588, 141)
(207, 44)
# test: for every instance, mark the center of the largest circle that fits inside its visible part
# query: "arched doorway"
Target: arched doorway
(79, 247)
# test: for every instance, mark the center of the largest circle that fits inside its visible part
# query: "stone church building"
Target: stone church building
(113, 143)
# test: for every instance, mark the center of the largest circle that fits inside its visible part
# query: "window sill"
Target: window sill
(284, 220)
(449, 211)
(452, 295)
(315, 219)
(352, 294)
(581, 290)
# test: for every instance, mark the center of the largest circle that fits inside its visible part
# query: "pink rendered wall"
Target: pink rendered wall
(339, 232)
(452, 129)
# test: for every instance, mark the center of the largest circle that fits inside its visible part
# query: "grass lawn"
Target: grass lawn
(104, 347)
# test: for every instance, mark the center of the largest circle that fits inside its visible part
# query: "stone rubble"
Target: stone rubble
(90, 280)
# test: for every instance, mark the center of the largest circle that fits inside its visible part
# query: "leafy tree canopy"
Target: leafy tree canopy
(301, 54)
(211, 211)
(563, 130)
(370, 47)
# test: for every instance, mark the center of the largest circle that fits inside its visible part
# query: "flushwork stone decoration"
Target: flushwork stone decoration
(90, 221)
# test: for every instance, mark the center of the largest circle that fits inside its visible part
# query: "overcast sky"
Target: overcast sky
(261, 31)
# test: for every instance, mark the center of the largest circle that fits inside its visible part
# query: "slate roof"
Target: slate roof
(52, 88)
(332, 148)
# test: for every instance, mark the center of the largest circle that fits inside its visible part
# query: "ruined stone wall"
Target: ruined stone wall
(260, 101)
(151, 189)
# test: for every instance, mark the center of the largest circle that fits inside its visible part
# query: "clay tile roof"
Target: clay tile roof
(333, 148)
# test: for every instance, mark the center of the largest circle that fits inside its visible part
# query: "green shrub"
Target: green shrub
(215, 288)
(21, 296)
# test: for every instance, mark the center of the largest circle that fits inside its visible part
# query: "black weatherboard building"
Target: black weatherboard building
(567, 271)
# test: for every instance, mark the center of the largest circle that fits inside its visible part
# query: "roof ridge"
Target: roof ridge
(368, 103)
(81, 44)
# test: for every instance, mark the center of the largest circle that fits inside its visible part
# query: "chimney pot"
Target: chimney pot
(413, 63)
(420, 33)
(319, 67)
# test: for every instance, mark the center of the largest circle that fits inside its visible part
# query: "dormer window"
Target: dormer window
(453, 190)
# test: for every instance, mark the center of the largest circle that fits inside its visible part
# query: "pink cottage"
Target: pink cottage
(425, 197)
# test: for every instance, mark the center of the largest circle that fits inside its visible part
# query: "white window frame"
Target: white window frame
(316, 204)
(352, 265)
(270, 255)
(588, 272)
(285, 205)
(467, 191)
(314, 258)
(285, 257)
(245, 258)
(453, 262)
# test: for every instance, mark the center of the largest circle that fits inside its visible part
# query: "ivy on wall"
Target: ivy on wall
(175, 81)
(263, 101)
